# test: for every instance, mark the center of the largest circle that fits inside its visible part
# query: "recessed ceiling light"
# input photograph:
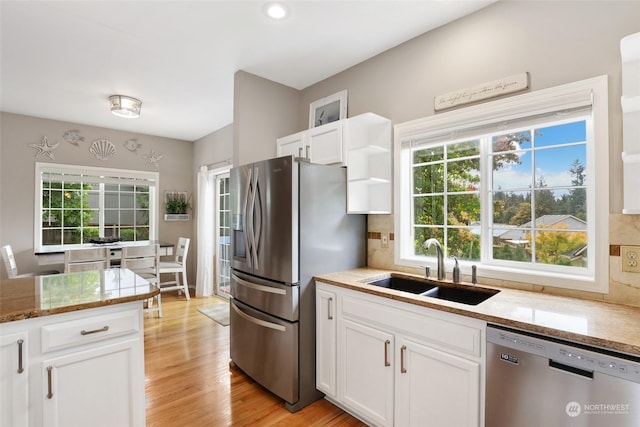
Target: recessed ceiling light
(276, 10)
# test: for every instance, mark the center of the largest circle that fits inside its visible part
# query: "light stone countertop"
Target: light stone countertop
(28, 297)
(610, 326)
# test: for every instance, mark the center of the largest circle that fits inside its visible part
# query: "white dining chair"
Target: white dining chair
(144, 261)
(12, 268)
(86, 259)
(178, 267)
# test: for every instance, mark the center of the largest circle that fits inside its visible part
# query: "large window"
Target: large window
(511, 186)
(76, 204)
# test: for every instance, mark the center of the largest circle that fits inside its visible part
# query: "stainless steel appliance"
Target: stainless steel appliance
(537, 381)
(289, 223)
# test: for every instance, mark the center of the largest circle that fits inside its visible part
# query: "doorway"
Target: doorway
(222, 221)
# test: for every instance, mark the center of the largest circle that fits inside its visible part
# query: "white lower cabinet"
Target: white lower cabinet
(399, 364)
(365, 371)
(97, 387)
(326, 334)
(14, 380)
(82, 368)
(436, 388)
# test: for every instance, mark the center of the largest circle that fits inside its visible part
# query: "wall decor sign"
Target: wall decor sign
(329, 109)
(503, 86)
(45, 149)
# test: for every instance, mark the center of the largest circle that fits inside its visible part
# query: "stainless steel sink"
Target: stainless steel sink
(465, 294)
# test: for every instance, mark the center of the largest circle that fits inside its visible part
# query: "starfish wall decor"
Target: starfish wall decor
(45, 149)
(153, 158)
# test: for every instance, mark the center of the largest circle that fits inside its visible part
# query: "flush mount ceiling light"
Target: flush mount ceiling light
(125, 106)
(276, 10)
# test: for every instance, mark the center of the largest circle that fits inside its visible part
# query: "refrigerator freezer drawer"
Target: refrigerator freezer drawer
(266, 349)
(275, 298)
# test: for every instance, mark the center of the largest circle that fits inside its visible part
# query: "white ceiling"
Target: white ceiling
(62, 59)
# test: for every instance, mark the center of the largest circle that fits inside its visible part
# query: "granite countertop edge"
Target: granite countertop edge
(33, 313)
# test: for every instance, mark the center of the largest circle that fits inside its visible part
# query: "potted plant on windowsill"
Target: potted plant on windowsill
(177, 204)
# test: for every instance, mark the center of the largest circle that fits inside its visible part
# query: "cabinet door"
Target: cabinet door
(365, 371)
(326, 143)
(436, 388)
(291, 145)
(14, 383)
(103, 386)
(326, 342)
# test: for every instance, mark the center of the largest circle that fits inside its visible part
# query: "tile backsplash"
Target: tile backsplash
(624, 288)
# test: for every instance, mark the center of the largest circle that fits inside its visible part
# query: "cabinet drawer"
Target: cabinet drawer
(445, 330)
(73, 333)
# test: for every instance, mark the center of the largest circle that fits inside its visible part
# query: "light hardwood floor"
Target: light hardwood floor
(190, 383)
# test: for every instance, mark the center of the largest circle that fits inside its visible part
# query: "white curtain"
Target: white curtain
(205, 266)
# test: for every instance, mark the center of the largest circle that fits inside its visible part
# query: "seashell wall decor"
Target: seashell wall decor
(102, 149)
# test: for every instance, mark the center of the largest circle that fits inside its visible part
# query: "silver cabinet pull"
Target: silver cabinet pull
(307, 151)
(403, 349)
(299, 151)
(50, 394)
(95, 331)
(329, 314)
(386, 353)
(20, 368)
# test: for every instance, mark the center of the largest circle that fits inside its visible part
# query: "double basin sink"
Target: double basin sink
(464, 294)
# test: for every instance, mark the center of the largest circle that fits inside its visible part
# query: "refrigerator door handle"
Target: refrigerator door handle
(257, 231)
(245, 220)
(260, 288)
(258, 322)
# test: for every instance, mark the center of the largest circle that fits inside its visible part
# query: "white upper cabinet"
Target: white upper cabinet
(363, 144)
(630, 53)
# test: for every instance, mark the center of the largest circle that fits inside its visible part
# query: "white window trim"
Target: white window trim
(537, 102)
(91, 170)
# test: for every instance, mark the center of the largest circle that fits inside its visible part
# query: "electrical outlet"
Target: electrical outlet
(384, 240)
(630, 258)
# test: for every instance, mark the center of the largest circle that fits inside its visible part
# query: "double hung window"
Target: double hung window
(518, 187)
(77, 204)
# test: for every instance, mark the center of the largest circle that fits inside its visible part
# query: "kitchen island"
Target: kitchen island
(72, 349)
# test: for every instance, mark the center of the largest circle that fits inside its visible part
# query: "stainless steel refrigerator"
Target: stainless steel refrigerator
(289, 223)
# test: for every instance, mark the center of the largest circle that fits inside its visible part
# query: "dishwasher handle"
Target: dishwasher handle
(570, 369)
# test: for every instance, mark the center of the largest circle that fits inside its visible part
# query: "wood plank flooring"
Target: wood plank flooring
(189, 381)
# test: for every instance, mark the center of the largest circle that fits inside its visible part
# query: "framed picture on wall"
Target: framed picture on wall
(329, 109)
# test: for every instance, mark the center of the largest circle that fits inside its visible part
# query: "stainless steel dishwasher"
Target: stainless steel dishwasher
(535, 381)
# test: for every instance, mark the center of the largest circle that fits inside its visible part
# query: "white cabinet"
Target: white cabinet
(365, 371)
(436, 386)
(293, 145)
(80, 368)
(96, 387)
(369, 172)
(363, 144)
(405, 365)
(630, 53)
(326, 333)
(14, 379)
(326, 142)
(322, 144)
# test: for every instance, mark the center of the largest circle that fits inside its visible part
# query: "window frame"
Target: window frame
(595, 92)
(107, 176)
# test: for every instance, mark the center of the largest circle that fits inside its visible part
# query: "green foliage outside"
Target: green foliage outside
(446, 183)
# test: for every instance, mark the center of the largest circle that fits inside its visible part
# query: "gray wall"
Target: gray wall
(17, 174)
(263, 111)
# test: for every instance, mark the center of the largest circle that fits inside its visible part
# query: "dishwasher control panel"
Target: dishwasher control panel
(582, 357)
